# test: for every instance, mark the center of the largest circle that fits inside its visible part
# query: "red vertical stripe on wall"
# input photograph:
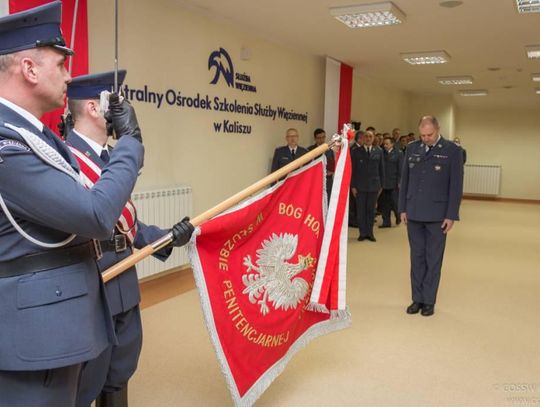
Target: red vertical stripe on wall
(80, 46)
(345, 95)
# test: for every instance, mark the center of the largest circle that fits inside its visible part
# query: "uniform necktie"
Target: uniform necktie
(428, 149)
(104, 156)
(293, 153)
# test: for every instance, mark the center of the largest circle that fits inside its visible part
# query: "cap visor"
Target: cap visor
(64, 50)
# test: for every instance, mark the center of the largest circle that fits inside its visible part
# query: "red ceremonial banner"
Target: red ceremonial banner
(255, 267)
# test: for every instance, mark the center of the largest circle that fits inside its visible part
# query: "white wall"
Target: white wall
(507, 137)
(378, 105)
(440, 106)
(164, 46)
(384, 107)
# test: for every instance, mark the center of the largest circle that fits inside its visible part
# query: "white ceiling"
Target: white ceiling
(478, 35)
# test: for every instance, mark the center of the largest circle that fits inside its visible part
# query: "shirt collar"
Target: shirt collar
(24, 113)
(98, 148)
(437, 142)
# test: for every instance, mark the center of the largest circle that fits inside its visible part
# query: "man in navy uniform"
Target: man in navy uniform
(366, 180)
(320, 138)
(53, 313)
(429, 200)
(396, 133)
(287, 154)
(109, 373)
(393, 160)
(353, 218)
(402, 145)
(457, 142)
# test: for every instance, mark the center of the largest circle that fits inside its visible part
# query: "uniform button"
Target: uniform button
(58, 292)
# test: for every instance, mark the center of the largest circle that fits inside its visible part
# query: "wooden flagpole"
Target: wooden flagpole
(139, 255)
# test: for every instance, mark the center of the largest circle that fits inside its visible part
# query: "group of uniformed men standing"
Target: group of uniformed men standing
(66, 339)
(420, 183)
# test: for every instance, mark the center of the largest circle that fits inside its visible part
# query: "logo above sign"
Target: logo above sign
(221, 61)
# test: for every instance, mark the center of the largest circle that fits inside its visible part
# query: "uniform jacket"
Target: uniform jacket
(353, 147)
(393, 162)
(367, 170)
(56, 317)
(330, 159)
(282, 156)
(432, 183)
(122, 291)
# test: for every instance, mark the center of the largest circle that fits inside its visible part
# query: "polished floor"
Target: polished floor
(480, 349)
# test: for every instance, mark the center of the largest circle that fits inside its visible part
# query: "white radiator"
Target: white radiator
(163, 208)
(482, 179)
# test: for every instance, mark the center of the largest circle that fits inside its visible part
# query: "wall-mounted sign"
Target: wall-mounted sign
(221, 68)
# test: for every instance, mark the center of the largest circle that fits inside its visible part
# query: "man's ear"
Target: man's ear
(93, 109)
(29, 69)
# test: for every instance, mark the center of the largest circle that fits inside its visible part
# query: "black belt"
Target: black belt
(36, 262)
(117, 244)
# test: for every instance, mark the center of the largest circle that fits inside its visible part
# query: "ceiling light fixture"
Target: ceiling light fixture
(368, 15)
(476, 92)
(528, 6)
(455, 80)
(450, 3)
(533, 51)
(538, 91)
(535, 77)
(426, 58)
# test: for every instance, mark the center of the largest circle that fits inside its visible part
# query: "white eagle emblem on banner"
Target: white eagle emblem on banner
(273, 278)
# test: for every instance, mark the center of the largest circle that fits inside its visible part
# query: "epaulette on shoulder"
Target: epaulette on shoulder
(414, 142)
(6, 132)
(454, 145)
(446, 142)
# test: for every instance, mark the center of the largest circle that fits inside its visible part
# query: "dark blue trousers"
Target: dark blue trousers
(112, 369)
(427, 242)
(40, 388)
(329, 183)
(388, 203)
(365, 210)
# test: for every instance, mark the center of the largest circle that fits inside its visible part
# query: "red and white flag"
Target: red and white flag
(255, 267)
(337, 95)
(329, 288)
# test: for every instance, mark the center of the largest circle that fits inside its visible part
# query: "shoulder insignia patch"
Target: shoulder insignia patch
(12, 144)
